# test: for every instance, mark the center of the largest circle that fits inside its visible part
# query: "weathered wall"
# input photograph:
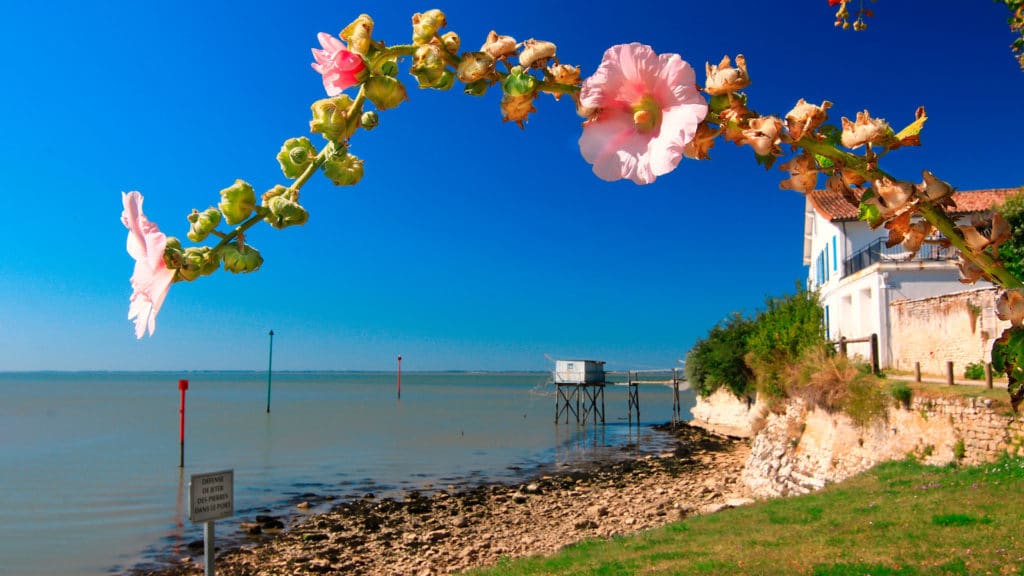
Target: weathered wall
(958, 327)
(801, 450)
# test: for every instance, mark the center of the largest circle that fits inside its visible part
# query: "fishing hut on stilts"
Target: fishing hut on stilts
(579, 388)
(633, 381)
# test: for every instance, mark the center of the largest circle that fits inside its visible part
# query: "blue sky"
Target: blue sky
(470, 244)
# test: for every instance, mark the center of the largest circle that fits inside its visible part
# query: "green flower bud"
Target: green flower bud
(295, 156)
(385, 92)
(198, 261)
(240, 258)
(519, 83)
(237, 202)
(451, 42)
(478, 88)
(330, 120)
(475, 66)
(719, 102)
(358, 34)
(173, 255)
(344, 170)
(426, 25)
(277, 190)
(427, 65)
(285, 212)
(389, 68)
(446, 81)
(203, 223)
(369, 120)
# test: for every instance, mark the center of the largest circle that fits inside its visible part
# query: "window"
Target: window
(835, 258)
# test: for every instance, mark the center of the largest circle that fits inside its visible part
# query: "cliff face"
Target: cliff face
(800, 449)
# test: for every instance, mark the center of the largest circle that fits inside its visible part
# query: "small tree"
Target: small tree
(1012, 251)
(717, 360)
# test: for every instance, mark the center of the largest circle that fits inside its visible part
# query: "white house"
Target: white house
(858, 277)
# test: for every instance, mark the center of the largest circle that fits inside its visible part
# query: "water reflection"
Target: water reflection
(177, 538)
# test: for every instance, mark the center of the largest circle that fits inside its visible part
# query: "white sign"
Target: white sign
(211, 496)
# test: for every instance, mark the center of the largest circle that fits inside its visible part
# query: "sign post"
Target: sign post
(210, 497)
(399, 376)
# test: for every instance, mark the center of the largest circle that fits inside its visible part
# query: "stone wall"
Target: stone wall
(958, 327)
(801, 449)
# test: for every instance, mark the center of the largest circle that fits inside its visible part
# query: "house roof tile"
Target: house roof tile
(837, 208)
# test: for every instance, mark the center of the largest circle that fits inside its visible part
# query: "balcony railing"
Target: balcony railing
(877, 252)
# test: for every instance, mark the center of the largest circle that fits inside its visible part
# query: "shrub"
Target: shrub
(959, 450)
(786, 329)
(717, 359)
(902, 393)
(974, 371)
(837, 384)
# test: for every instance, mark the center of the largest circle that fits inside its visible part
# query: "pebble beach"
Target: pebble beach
(445, 531)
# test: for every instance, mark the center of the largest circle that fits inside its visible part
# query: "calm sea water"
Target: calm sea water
(89, 476)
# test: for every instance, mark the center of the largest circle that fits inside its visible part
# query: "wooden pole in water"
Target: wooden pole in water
(399, 376)
(270, 364)
(182, 385)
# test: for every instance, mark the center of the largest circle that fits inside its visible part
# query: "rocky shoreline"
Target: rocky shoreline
(448, 531)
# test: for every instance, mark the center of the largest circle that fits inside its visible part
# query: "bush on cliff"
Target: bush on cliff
(837, 384)
(743, 354)
(717, 359)
(784, 331)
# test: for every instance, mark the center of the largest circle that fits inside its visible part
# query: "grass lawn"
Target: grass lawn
(900, 518)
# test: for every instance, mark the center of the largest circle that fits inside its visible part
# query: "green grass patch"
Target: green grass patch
(959, 520)
(998, 394)
(900, 518)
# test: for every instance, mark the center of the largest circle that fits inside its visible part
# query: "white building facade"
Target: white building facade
(857, 276)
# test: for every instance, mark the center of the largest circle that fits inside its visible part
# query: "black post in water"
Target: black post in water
(270, 364)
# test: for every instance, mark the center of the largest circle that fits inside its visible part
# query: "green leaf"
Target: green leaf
(767, 161)
(833, 135)
(869, 211)
(911, 135)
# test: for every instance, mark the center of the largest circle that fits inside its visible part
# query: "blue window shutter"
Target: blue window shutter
(835, 259)
(827, 331)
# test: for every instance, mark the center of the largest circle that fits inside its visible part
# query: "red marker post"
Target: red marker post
(182, 385)
(399, 377)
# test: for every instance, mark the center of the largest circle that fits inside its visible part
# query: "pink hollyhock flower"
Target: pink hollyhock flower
(339, 66)
(151, 279)
(647, 109)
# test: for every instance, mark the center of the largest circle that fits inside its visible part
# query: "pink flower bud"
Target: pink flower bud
(340, 67)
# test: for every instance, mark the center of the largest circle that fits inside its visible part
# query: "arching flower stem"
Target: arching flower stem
(260, 213)
(935, 215)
